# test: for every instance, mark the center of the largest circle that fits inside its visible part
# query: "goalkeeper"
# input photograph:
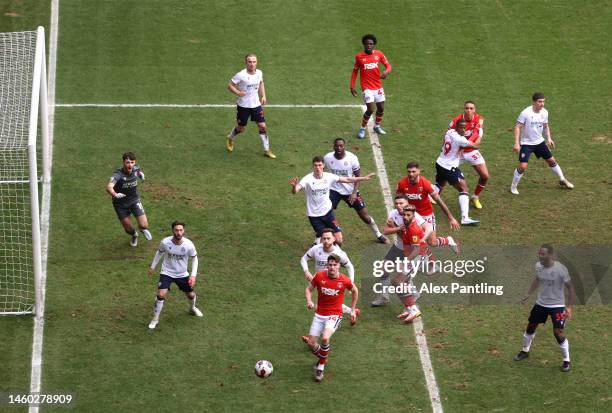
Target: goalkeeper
(123, 187)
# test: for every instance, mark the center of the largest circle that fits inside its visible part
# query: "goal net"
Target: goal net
(22, 97)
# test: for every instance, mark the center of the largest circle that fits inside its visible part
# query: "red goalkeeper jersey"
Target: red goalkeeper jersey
(369, 72)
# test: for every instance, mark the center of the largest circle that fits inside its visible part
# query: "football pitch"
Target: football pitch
(250, 231)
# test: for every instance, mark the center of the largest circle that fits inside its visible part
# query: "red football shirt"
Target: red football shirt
(418, 194)
(413, 235)
(331, 292)
(369, 73)
(473, 128)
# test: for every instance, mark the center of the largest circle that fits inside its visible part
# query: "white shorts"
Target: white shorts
(473, 158)
(431, 220)
(323, 322)
(370, 95)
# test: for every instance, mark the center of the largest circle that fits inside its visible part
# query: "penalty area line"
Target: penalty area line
(193, 106)
(421, 340)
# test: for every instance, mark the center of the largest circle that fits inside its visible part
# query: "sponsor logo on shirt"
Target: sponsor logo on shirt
(330, 291)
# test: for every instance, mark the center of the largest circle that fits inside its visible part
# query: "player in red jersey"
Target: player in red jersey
(330, 285)
(366, 64)
(473, 156)
(419, 189)
(416, 251)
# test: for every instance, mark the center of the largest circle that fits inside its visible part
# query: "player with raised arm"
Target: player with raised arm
(123, 188)
(344, 163)
(319, 253)
(316, 185)
(176, 251)
(551, 279)
(248, 85)
(330, 287)
(529, 131)
(419, 190)
(366, 65)
(447, 166)
(474, 131)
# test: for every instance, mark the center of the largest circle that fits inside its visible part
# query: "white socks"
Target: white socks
(557, 170)
(516, 178)
(565, 349)
(464, 204)
(527, 340)
(374, 228)
(159, 304)
(192, 302)
(265, 141)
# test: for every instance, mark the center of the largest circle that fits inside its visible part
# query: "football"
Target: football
(263, 368)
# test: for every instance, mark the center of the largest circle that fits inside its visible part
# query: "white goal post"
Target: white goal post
(23, 99)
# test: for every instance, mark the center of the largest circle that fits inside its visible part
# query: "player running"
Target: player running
(344, 163)
(319, 253)
(330, 287)
(474, 131)
(316, 185)
(248, 85)
(551, 277)
(530, 127)
(447, 167)
(176, 251)
(123, 188)
(366, 64)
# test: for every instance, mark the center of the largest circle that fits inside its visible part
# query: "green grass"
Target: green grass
(250, 231)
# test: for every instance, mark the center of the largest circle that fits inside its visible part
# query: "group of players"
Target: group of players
(412, 221)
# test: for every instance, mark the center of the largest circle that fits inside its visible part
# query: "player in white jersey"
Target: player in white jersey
(319, 253)
(529, 131)
(316, 185)
(551, 279)
(248, 85)
(344, 163)
(176, 251)
(447, 167)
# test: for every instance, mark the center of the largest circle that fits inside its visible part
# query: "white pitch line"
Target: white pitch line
(39, 319)
(190, 106)
(421, 340)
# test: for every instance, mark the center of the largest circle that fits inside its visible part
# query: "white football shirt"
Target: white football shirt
(552, 280)
(534, 125)
(450, 154)
(319, 255)
(346, 166)
(398, 219)
(248, 83)
(176, 257)
(317, 193)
